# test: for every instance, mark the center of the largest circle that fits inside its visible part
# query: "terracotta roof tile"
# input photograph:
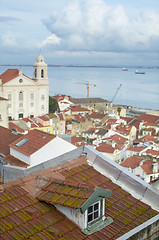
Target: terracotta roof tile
(38, 220)
(6, 138)
(64, 194)
(104, 147)
(10, 74)
(35, 139)
(148, 118)
(15, 161)
(131, 162)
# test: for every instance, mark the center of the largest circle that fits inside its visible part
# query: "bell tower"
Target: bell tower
(40, 70)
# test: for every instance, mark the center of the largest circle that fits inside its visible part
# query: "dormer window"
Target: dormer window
(85, 206)
(94, 212)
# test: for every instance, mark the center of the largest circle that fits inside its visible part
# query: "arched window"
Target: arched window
(21, 96)
(42, 73)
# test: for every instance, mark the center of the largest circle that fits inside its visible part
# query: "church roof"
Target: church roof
(9, 75)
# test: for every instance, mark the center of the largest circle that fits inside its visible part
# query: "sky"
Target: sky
(83, 32)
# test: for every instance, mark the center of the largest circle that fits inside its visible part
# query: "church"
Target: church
(27, 97)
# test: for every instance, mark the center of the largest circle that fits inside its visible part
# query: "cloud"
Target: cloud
(8, 40)
(86, 25)
(8, 19)
(52, 39)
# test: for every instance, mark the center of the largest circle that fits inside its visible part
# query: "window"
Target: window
(42, 97)
(22, 142)
(31, 116)
(94, 212)
(42, 73)
(20, 115)
(20, 104)
(21, 96)
(9, 97)
(31, 104)
(9, 118)
(42, 107)
(32, 96)
(35, 73)
(0, 117)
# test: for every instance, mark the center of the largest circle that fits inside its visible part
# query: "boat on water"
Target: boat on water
(137, 72)
(124, 69)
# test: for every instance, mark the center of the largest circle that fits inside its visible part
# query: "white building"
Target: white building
(27, 97)
(4, 112)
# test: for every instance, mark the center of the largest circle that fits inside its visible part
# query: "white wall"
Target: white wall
(74, 214)
(54, 148)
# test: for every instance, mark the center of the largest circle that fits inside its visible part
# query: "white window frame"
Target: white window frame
(94, 211)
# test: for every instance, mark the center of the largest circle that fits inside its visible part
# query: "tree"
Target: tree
(53, 105)
(119, 110)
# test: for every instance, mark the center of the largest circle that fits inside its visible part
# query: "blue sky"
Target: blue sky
(116, 32)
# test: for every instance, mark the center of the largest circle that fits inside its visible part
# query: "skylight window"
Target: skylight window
(22, 142)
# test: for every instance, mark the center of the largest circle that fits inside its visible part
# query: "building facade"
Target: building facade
(3, 112)
(27, 97)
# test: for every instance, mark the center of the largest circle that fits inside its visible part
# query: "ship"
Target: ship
(124, 69)
(137, 72)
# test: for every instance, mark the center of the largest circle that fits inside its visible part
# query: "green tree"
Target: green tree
(119, 110)
(53, 105)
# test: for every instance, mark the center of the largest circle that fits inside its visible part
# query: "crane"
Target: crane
(87, 84)
(116, 92)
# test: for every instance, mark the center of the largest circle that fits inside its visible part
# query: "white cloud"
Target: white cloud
(51, 40)
(94, 25)
(8, 40)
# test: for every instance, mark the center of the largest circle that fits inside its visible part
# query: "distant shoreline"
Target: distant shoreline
(82, 66)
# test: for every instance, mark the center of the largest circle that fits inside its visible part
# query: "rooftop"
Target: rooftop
(6, 137)
(10, 74)
(131, 162)
(24, 216)
(36, 140)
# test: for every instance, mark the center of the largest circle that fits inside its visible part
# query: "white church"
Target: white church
(27, 97)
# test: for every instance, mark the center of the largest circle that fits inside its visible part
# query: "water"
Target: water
(137, 90)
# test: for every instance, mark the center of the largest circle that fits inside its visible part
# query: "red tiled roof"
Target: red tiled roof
(23, 216)
(124, 130)
(78, 108)
(127, 119)
(61, 116)
(104, 147)
(37, 139)
(118, 138)
(72, 194)
(148, 118)
(13, 126)
(3, 99)
(9, 75)
(111, 120)
(131, 162)
(44, 118)
(136, 148)
(152, 152)
(148, 138)
(135, 123)
(147, 167)
(6, 138)
(97, 115)
(75, 140)
(15, 162)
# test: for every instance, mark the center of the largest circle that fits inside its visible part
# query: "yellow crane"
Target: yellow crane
(87, 84)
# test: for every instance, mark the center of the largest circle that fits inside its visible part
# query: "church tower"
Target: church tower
(40, 70)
